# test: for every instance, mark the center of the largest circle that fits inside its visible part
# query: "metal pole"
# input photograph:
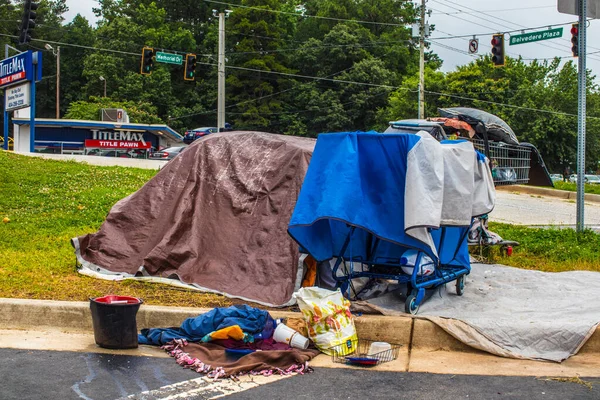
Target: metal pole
(5, 146)
(58, 82)
(581, 97)
(5, 112)
(105, 88)
(221, 81)
(32, 106)
(422, 64)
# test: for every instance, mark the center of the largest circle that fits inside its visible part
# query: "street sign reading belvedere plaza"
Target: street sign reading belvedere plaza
(536, 36)
(169, 58)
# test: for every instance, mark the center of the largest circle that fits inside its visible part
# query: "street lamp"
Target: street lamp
(57, 54)
(104, 80)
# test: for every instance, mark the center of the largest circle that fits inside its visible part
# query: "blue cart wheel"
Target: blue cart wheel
(411, 306)
(460, 285)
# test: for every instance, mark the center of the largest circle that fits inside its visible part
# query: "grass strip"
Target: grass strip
(48, 202)
(572, 187)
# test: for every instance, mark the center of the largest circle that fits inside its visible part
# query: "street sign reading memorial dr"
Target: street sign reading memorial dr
(169, 58)
(536, 36)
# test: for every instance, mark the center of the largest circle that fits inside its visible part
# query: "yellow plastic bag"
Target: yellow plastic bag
(327, 315)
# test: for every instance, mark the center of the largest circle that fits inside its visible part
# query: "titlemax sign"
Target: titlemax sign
(122, 135)
(13, 66)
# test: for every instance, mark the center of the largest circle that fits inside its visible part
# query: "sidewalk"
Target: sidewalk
(550, 192)
(67, 326)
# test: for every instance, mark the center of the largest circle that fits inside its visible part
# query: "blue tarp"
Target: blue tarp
(358, 179)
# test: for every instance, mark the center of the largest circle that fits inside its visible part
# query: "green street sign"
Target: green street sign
(169, 58)
(536, 36)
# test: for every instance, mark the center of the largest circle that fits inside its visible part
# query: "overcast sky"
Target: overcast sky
(466, 17)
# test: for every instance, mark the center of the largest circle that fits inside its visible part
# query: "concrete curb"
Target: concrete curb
(543, 191)
(413, 333)
(101, 161)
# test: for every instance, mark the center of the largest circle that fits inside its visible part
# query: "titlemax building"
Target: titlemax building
(113, 136)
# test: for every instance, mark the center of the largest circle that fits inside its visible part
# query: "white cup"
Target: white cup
(285, 334)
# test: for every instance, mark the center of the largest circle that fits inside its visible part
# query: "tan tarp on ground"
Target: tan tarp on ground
(215, 217)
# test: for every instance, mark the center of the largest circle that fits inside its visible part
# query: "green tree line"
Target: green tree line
(273, 48)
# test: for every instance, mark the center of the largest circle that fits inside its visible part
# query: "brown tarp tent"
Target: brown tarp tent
(214, 218)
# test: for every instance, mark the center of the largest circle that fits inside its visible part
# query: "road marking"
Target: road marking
(204, 388)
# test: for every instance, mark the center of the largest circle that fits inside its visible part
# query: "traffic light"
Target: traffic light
(498, 49)
(27, 21)
(190, 67)
(575, 40)
(147, 61)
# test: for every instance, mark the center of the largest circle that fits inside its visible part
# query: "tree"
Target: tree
(538, 100)
(257, 35)
(138, 112)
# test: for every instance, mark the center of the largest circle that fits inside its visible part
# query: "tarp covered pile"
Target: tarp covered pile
(214, 218)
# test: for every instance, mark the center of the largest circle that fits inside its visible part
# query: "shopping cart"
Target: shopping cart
(509, 163)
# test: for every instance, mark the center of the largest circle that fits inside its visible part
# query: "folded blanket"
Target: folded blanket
(212, 360)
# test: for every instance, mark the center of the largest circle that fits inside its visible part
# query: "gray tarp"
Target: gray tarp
(513, 312)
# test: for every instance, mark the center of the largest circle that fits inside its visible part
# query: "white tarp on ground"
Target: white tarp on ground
(513, 312)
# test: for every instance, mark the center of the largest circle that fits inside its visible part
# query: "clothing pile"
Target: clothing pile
(229, 342)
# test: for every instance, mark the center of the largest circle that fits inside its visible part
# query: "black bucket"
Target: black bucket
(114, 320)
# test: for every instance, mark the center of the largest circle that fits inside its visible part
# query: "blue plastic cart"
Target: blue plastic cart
(353, 207)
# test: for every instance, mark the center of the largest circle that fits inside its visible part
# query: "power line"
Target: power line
(453, 49)
(507, 105)
(495, 31)
(304, 15)
(332, 80)
(103, 49)
(452, 6)
(312, 77)
(358, 45)
(259, 98)
(501, 10)
(516, 56)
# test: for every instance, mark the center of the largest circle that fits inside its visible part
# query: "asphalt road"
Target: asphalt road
(52, 375)
(525, 209)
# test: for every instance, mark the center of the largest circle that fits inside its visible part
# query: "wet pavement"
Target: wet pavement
(53, 375)
(528, 209)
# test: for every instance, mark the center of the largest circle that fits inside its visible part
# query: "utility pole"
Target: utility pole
(221, 81)
(58, 82)
(581, 100)
(422, 63)
(57, 55)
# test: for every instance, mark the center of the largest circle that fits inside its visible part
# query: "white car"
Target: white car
(592, 179)
(556, 177)
(573, 178)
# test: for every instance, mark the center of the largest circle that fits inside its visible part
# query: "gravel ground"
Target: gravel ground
(526, 209)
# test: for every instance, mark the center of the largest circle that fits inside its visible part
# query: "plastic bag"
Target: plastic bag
(409, 259)
(327, 315)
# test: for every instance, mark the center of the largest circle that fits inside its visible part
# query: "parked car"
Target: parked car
(573, 178)
(115, 153)
(167, 154)
(556, 177)
(592, 179)
(197, 133)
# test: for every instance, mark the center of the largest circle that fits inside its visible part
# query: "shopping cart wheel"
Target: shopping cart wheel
(411, 306)
(460, 285)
